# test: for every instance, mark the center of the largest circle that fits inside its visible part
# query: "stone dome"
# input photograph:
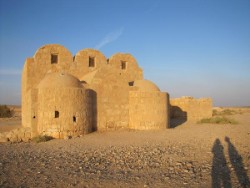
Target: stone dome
(145, 85)
(59, 80)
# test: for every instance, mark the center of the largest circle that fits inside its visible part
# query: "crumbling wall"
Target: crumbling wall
(190, 108)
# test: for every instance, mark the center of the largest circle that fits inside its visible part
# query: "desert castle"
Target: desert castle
(65, 95)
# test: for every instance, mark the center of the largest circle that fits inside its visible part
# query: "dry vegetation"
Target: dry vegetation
(40, 138)
(6, 112)
(222, 115)
(219, 120)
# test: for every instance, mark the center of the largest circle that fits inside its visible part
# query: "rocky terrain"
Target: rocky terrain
(190, 155)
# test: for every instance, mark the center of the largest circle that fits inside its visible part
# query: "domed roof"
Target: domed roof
(59, 80)
(145, 85)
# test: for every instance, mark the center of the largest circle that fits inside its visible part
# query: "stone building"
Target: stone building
(65, 95)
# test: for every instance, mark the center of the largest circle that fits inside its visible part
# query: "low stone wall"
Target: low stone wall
(190, 108)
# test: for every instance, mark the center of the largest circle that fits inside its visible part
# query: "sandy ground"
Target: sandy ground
(190, 155)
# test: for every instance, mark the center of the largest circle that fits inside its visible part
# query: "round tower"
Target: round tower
(148, 106)
(62, 107)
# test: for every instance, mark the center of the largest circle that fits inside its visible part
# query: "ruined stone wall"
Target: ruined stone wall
(148, 110)
(62, 112)
(190, 108)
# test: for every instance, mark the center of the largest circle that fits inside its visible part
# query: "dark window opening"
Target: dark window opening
(74, 119)
(54, 58)
(131, 83)
(34, 117)
(123, 65)
(91, 61)
(56, 114)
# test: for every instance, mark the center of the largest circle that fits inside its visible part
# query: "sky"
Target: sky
(198, 48)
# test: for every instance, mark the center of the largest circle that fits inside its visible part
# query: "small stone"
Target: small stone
(178, 164)
(67, 137)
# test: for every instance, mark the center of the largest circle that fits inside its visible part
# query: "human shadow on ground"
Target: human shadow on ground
(237, 163)
(220, 171)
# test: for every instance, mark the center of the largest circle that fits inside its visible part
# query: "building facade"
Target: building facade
(65, 95)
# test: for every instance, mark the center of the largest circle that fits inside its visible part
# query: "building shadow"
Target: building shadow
(92, 109)
(237, 163)
(177, 116)
(220, 171)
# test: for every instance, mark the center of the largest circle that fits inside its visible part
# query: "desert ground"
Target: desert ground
(189, 155)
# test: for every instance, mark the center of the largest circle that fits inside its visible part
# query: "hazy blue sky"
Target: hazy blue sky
(198, 48)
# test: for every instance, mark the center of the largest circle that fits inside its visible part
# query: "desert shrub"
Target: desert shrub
(225, 112)
(215, 112)
(5, 111)
(41, 138)
(218, 120)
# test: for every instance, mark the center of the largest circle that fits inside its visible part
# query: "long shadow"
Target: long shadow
(220, 171)
(237, 163)
(177, 116)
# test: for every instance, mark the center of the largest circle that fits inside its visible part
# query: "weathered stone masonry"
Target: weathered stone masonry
(65, 95)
